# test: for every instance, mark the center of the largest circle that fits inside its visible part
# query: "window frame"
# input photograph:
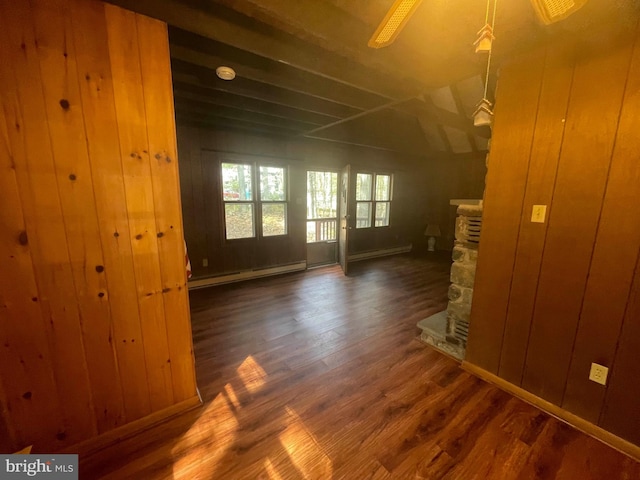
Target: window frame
(256, 202)
(373, 202)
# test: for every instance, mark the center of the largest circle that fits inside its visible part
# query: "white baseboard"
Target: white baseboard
(379, 253)
(246, 275)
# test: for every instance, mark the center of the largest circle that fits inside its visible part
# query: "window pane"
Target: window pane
(311, 232)
(274, 219)
(322, 195)
(272, 184)
(236, 182)
(382, 214)
(363, 214)
(363, 186)
(383, 187)
(239, 220)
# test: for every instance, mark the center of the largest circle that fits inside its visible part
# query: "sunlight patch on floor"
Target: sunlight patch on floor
(304, 450)
(252, 374)
(207, 440)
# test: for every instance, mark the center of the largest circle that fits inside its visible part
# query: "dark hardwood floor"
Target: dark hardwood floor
(319, 376)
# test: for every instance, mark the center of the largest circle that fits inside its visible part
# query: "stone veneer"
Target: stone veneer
(448, 330)
(463, 272)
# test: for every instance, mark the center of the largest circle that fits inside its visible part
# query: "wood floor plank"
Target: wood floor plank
(303, 377)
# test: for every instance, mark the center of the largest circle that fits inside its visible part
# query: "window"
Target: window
(322, 206)
(373, 205)
(242, 206)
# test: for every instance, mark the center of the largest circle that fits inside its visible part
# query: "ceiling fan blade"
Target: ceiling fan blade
(393, 22)
(551, 11)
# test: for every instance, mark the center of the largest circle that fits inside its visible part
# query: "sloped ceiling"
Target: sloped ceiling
(304, 69)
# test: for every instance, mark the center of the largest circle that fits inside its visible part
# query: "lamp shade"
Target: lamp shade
(432, 230)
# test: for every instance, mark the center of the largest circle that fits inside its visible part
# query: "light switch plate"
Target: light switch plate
(205, 262)
(598, 374)
(538, 213)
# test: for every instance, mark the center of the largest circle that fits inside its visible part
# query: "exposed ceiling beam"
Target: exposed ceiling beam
(283, 77)
(357, 115)
(290, 51)
(219, 122)
(235, 114)
(213, 97)
(428, 112)
(206, 78)
(343, 35)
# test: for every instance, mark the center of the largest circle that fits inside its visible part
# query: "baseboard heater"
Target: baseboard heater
(379, 253)
(246, 275)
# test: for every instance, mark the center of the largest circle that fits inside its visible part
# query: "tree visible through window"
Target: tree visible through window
(373, 206)
(241, 207)
(322, 206)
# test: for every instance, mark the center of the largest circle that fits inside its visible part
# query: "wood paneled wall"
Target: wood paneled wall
(551, 298)
(94, 320)
(422, 189)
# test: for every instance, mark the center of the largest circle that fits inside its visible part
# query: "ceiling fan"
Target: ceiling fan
(549, 11)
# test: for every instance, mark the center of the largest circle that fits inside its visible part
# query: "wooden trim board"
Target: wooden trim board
(248, 275)
(107, 439)
(561, 414)
(355, 257)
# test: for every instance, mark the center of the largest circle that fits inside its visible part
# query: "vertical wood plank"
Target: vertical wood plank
(96, 90)
(153, 42)
(66, 125)
(506, 179)
(621, 414)
(201, 219)
(582, 174)
(124, 56)
(29, 396)
(37, 183)
(613, 262)
(545, 152)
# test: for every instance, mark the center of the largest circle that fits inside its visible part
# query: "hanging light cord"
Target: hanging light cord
(493, 24)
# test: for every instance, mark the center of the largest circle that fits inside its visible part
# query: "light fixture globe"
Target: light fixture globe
(225, 73)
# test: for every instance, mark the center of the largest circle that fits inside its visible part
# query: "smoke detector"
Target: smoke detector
(225, 73)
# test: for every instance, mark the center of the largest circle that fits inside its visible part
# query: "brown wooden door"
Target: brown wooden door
(343, 236)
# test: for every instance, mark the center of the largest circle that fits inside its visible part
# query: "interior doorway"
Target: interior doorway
(322, 217)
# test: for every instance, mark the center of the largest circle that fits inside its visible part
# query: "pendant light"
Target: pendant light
(483, 114)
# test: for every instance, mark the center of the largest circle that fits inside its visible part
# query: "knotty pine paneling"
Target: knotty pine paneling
(506, 180)
(87, 308)
(569, 287)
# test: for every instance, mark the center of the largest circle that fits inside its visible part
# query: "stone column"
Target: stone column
(463, 272)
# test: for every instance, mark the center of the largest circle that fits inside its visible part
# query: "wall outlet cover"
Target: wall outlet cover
(598, 373)
(538, 213)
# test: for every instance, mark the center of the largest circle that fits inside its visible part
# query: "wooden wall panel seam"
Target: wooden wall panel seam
(584, 182)
(525, 218)
(602, 205)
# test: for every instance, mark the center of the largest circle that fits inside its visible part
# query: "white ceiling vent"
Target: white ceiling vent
(551, 11)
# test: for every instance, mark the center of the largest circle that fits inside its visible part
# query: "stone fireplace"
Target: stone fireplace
(448, 330)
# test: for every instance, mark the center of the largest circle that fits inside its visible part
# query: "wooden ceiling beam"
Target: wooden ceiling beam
(283, 77)
(290, 50)
(228, 123)
(213, 97)
(335, 30)
(191, 106)
(206, 78)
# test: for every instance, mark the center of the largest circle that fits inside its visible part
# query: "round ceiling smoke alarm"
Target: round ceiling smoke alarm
(225, 73)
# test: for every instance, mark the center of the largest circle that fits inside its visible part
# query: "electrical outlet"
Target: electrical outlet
(538, 213)
(598, 374)
(205, 262)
